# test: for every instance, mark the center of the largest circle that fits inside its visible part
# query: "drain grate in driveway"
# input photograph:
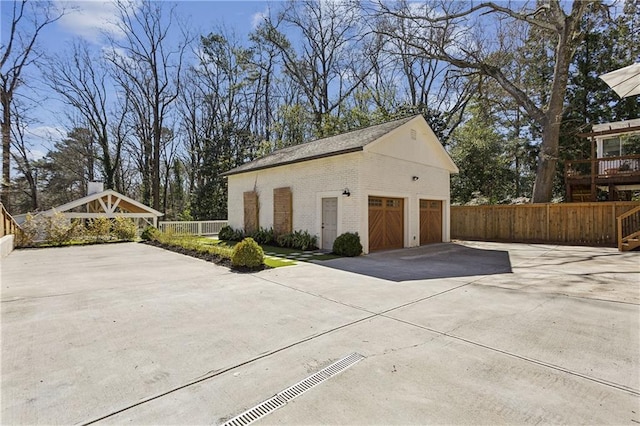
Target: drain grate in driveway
(282, 398)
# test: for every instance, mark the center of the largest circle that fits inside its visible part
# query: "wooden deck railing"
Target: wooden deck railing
(203, 227)
(592, 224)
(629, 230)
(627, 165)
(7, 224)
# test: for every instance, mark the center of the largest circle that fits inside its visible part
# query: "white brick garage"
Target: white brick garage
(399, 160)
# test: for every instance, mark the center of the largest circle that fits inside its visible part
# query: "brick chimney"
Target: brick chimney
(95, 187)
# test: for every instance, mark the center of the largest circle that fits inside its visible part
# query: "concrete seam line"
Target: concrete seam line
(225, 370)
(360, 308)
(366, 310)
(522, 357)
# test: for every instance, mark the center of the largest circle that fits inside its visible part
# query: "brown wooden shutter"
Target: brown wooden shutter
(251, 222)
(282, 211)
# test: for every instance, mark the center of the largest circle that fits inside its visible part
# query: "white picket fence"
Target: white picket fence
(202, 227)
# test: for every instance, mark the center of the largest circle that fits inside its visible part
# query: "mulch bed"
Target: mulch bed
(209, 257)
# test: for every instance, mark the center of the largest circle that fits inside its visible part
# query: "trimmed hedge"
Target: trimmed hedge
(247, 254)
(348, 244)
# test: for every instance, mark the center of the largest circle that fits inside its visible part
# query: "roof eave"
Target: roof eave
(300, 160)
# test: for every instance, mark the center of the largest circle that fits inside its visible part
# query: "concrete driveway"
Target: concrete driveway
(129, 333)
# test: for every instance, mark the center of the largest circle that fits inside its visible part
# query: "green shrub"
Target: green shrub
(167, 237)
(150, 233)
(238, 235)
(227, 233)
(99, 229)
(302, 240)
(264, 236)
(347, 244)
(299, 240)
(58, 229)
(247, 253)
(285, 240)
(124, 228)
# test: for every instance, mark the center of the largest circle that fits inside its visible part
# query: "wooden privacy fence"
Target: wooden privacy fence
(7, 224)
(203, 227)
(567, 223)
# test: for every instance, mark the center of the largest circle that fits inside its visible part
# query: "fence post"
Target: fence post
(615, 224)
(548, 220)
(199, 228)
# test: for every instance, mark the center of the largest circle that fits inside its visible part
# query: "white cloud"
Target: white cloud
(47, 133)
(90, 18)
(36, 154)
(258, 18)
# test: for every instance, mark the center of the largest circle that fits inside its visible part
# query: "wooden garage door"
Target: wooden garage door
(386, 223)
(430, 221)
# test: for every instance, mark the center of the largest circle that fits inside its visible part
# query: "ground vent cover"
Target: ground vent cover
(282, 398)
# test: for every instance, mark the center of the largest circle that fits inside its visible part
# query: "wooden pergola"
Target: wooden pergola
(108, 203)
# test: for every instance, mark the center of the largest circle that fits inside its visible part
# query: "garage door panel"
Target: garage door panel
(386, 223)
(430, 221)
(394, 228)
(376, 227)
(424, 227)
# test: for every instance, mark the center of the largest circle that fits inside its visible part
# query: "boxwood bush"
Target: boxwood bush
(348, 244)
(247, 254)
(227, 233)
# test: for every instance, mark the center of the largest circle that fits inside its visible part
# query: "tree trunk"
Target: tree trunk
(155, 167)
(33, 190)
(548, 157)
(6, 151)
(547, 161)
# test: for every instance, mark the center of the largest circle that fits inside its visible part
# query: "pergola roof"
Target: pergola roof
(108, 203)
(625, 81)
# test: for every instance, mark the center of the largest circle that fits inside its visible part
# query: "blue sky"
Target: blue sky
(91, 16)
(88, 19)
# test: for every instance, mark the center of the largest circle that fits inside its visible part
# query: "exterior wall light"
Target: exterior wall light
(346, 192)
(415, 178)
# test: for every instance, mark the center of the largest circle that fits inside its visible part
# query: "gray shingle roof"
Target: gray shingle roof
(327, 147)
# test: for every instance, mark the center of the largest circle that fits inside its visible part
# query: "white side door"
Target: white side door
(329, 222)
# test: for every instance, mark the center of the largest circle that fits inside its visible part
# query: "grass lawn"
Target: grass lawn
(280, 251)
(287, 251)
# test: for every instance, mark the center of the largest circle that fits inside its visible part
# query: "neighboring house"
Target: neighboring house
(614, 167)
(389, 183)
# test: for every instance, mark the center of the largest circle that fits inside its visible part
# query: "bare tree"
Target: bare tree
(450, 32)
(18, 51)
(327, 67)
(149, 72)
(220, 109)
(23, 157)
(80, 79)
(264, 60)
